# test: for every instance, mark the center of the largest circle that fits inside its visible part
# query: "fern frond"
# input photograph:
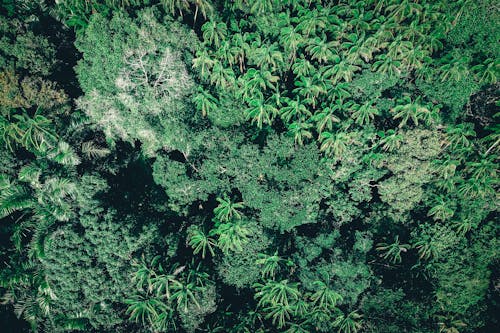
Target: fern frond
(91, 150)
(13, 197)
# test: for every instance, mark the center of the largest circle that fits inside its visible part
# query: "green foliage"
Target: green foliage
(129, 70)
(392, 251)
(249, 166)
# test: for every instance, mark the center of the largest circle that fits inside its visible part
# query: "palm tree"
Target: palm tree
(146, 310)
(360, 49)
(267, 57)
(205, 7)
(174, 6)
(13, 197)
(300, 131)
(261, 112)
(303, 68)
(474, 188)
(271, 264)
(441, 210)
(203, 62)
(222, 76)
(93, 151)
(214, 33)
(205, 102)
(227, 209)
(351, 323)
(64, 154)
(201, 242)
(484, 169)
(184, 295)
(343, 70)
(398, 48)
(309, 88)
(321, 50)
(239, 49)
(432, 41)
(311, 21)
(259, 7)
(450, 324)
(337, 93)
(334, 144)
(360, 20)
(232, 236)
(255, 79)
(291, 40)
(279, 313)
(324, 297)
(386, 64)
(325, 119)
(487, 71)
(456, 69)
(426, 248)
(35, 132)
(277, 292)
(294, 109)
(458, 135)
(463, 225)
(392, 251)
(390, 140)
(403, 9)
(411, 110)
(364, 114)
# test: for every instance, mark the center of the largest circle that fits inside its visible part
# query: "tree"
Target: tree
(324, 297)
(321, 50)
(261, 112)
(214, 33)
(334, 144)
(232, 236)
(300, 131)
(205, 7)
(364, 114)
(294, 109)
(204, 63)
(390, 140)
(325, 119)
(392, 251)
(348, 324)
(386, 64)
(184, 294)
(271, 264)
(201, 242)
(227, 209)
(277, 292)
(342, 70)
(134, 83)
(205, 102)
(411, 110)
(267, 57)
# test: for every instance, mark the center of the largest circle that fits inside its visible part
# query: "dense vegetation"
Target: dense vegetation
(249, 166)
